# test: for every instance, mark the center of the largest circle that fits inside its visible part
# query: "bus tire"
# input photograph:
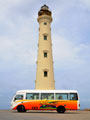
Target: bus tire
(21, 108)
(61, 109)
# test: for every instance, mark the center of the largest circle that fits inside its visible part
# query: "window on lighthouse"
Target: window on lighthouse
(45, 23)
(45, 37)
(45, 73)
(45, 54)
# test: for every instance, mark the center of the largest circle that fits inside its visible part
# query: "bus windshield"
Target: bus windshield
(18, 97)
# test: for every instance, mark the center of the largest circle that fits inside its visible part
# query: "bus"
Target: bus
(59, 100)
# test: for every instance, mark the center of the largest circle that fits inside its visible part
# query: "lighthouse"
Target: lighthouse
(44, 73)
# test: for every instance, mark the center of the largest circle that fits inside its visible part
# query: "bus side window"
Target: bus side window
(47, 96)
(61, 96)
(73, 96)
(29, 96)
(50, 96)
(32, 96)
(36, 96)
(44, 96)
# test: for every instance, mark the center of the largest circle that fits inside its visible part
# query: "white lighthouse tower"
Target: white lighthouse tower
(45, 74)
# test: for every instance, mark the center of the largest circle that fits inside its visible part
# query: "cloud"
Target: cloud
(17, 50)
(85, 4)
(17, 41)
(6, 5)
(67, 53)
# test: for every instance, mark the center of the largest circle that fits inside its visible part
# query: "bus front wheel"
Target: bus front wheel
(61, 109)
(21, 108)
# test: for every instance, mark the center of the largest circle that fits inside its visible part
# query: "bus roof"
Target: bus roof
(47, 91)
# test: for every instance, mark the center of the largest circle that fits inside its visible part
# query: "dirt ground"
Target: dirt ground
(44, 115)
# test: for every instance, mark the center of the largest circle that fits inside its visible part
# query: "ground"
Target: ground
(44, 115)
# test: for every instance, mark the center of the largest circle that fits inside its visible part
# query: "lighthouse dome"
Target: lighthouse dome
(44, 11)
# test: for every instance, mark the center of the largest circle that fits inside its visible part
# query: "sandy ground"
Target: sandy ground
(44, 115)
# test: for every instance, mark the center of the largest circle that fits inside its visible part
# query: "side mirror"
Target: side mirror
(14, 99)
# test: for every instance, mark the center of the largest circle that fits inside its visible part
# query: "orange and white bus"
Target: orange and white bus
(60, 100)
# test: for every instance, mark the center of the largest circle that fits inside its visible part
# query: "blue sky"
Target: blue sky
(19, 39)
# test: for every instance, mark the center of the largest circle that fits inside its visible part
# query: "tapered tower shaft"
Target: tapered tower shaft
(44, 73)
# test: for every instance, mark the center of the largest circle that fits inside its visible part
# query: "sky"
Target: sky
(19, 34)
